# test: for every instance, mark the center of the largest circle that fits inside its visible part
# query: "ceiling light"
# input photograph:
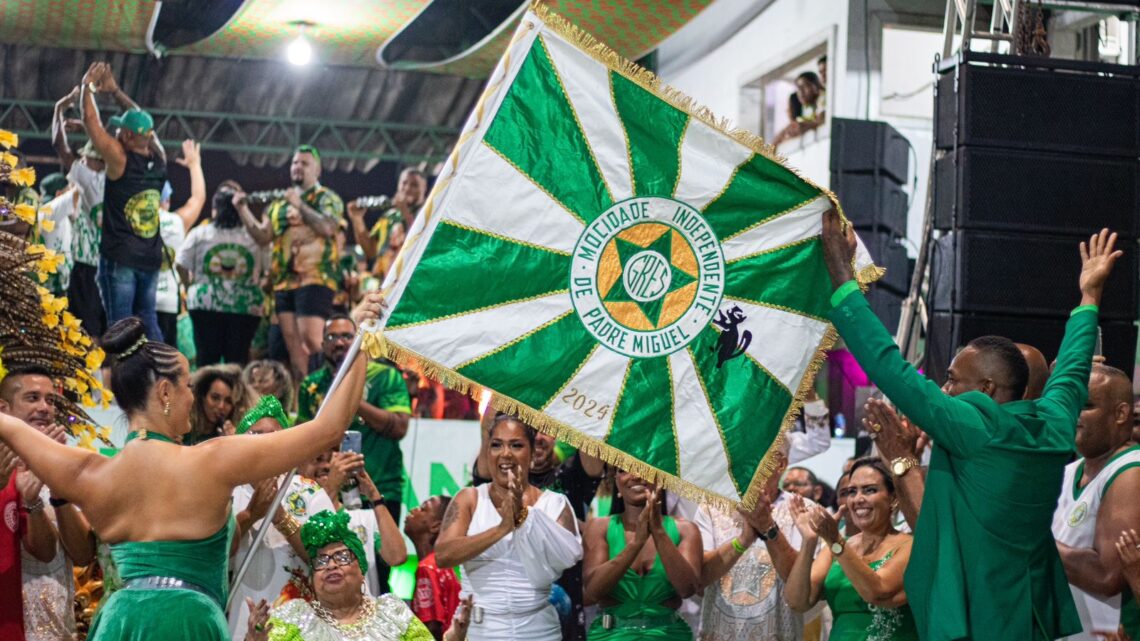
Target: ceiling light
(300, 52)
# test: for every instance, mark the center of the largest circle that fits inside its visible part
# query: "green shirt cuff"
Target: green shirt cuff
(843, 291)
(1085, 308)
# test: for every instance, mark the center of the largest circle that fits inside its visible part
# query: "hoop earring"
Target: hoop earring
(166, 409)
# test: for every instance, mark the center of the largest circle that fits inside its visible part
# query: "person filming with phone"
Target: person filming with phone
(381, 419)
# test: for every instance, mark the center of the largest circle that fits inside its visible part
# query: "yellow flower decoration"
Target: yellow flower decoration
(8, 139)
(25, 212)
(47, 225)
(9, 159)
(3, 372)
(25, 177)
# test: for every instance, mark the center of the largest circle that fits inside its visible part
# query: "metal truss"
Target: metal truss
(277, 136)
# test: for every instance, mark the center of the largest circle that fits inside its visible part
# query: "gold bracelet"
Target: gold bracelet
(288, 526)
(520, 518)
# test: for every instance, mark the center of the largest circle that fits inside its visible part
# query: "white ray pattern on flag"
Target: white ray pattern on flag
(587, 84)
(778, 340)
(599, 380)
(459, 339)
(708, 161)
(515, 208)
(794, 226)
(703, 460)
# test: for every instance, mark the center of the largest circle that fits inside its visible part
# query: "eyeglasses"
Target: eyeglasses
(340, 557)
(339, 337)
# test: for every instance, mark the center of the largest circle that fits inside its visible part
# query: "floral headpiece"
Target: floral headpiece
(267, 407)
(36, 330)
(325, 528)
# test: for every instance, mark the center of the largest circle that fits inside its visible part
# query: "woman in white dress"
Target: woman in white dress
(513, 541)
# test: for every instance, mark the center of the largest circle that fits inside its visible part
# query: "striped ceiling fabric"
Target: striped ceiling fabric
(346, 32)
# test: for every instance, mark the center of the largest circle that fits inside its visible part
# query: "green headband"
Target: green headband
(325, 528)
(267, 407)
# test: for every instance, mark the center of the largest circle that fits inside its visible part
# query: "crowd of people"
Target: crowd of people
(999, 506)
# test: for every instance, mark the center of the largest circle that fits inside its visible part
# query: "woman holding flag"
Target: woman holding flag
(170, 538)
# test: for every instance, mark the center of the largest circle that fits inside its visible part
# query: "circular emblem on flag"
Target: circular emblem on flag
(647, 276)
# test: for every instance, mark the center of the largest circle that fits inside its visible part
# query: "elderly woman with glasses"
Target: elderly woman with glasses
(341, 609)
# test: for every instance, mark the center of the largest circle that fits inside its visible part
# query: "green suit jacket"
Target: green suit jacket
(984, 564)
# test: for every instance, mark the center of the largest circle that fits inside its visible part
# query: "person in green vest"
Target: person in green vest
(639, 565)
(984, 565)
(382, 418)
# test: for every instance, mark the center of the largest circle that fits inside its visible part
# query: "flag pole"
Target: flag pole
(349, 357)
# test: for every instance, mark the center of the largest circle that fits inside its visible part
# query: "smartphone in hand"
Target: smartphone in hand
(351, 442)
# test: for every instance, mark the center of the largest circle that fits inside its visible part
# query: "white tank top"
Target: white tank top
(1074, 524)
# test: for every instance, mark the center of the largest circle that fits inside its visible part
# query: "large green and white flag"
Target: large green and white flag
(619, 269)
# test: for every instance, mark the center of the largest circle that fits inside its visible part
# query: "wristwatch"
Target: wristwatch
(902, 465)
(838, 547)
(770, 535)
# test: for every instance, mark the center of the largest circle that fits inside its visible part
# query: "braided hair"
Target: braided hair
(138, 363)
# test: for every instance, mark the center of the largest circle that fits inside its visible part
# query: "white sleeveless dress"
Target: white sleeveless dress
(511, 579)
(1074, 524)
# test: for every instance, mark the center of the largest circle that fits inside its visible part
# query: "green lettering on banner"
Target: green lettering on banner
(441, 481)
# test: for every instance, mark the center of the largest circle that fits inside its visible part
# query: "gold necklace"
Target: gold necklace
(368, 607)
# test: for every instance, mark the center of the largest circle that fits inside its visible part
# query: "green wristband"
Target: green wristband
(738, 546)
(843, 291)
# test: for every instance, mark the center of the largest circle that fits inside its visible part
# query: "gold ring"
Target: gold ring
(876, 427)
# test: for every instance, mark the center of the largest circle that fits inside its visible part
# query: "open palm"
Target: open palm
(1097, 258)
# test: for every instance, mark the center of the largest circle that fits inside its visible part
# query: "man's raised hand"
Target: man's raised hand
(1097, 259)
(838, 247)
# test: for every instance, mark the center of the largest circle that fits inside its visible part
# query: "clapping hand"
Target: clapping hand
(894, 436)
(802, 516)
(1097, 260)
(462, 619)
(1128, 547)
(28, 485)
(825, 525)
(258, 626)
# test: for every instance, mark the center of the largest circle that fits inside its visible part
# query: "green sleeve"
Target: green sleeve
(416, 631)
(388, 391)
(1067, 389)
(330, 204)
(282, 631)
(305, 412)
(952, 423)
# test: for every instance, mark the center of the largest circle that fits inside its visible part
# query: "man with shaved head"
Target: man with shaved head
(1098, 501)
(984, 564)
(1038, 370)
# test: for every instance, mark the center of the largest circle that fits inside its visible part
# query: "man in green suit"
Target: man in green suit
(984, 565)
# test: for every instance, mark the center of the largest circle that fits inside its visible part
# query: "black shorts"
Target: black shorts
(310, 300)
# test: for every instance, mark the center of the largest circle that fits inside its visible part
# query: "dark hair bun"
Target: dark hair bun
(122, 335)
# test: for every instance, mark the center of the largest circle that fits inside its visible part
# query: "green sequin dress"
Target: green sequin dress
(640, 612)
(132, 614)
(857, 620)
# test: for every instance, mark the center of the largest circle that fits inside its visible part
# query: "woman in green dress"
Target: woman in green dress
(639, 565)
(163, 507)
(341, 611)
(861, 578)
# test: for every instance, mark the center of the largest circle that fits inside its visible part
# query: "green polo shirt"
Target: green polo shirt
(384, 387)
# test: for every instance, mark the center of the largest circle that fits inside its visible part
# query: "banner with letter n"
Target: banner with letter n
(619, 268)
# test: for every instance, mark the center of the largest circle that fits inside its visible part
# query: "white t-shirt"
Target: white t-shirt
(275, 561)
(89, 218)
(173, 233)
(226, 267)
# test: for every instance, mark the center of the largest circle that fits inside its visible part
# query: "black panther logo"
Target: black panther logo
(732, 342)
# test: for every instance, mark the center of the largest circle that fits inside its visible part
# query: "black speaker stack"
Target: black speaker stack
(869, 166)
(1034, 155)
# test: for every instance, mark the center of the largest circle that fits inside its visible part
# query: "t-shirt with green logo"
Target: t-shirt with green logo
(130, 213)
(226, 266)
(87, 229)
(301, 256)
(384, 388)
